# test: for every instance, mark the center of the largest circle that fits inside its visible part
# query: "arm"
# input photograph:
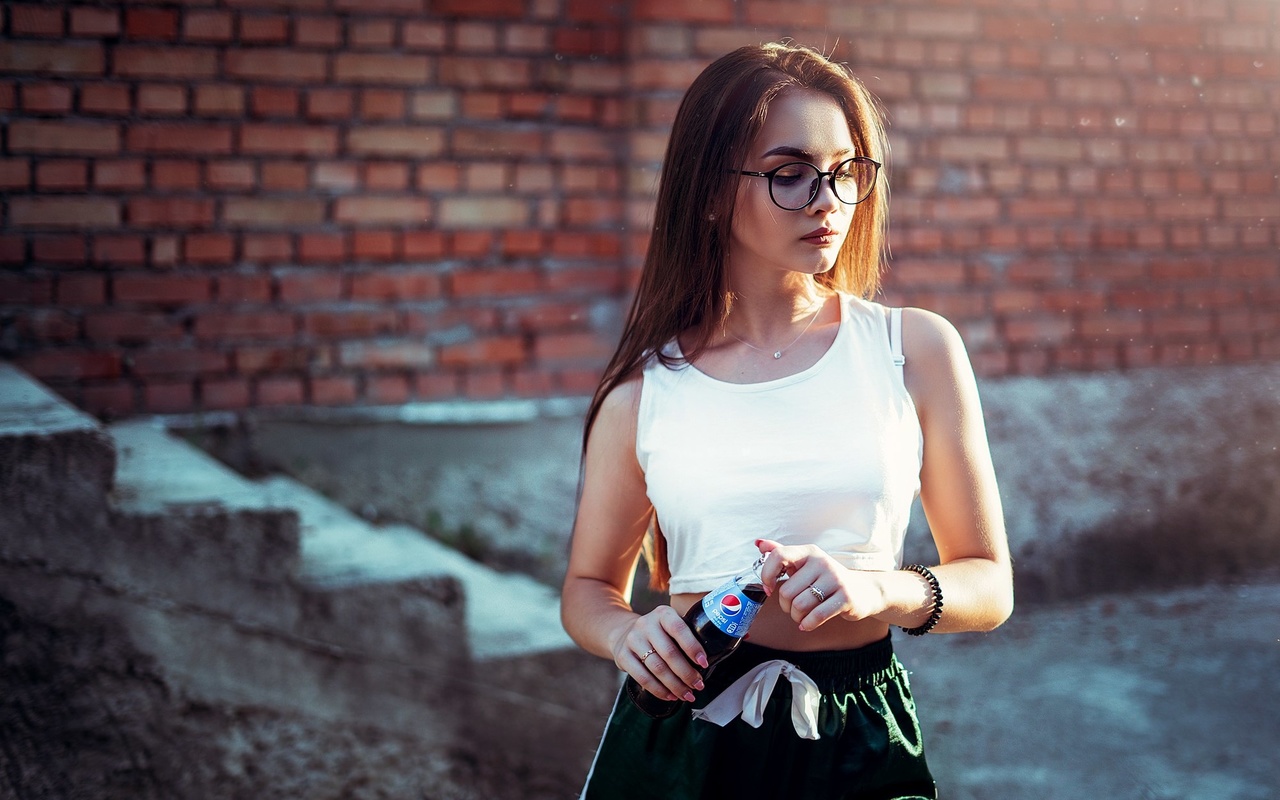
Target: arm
(961, 501)
(613, 514)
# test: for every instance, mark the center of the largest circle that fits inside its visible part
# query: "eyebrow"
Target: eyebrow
(796, 152)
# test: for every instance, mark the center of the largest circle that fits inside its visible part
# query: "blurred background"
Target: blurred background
(300, 302)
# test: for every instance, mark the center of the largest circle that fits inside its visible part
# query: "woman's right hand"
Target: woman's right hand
(659, 650)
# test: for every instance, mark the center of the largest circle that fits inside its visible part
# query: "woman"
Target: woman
(758, 403)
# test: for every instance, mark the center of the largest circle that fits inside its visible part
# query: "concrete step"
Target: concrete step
(507, 615)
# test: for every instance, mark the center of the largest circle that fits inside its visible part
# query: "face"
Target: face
(801, 125)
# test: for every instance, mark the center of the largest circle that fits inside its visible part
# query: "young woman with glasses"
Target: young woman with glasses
(761, 402)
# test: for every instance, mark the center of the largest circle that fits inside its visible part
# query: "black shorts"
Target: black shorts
(869, 745)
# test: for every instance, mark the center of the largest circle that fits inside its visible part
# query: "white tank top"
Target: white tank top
(828, 456)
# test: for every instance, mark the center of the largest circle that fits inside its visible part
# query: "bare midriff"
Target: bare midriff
(772, 628)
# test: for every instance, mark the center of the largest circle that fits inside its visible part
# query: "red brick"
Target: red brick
(317, 31)
(480, 282)
(481, 352)
(149, 212)
(269, 139)
(375, 245)
(264, 29)
(382, 210)
(62, 175)
(480, 8)
(672, 11)
(87, 21)
(165, 63)
(208, 26)
(284, 176)
(172, 137)
(384, 285)
(230, 175)
(274, 101)
(126, 249)
(106, 99)
(386, 176)
(382, 104)
(376, 34)
(161, 100)
(59, 248)
(46, 98)
(81, 289)
(330, 104)
(131, 327)
(168, 397)
(40, 58)
(169, 175)
(70, 364)
(424, 35)
(247, 325)
(267, 247)
(224, 393)
(84, 138)
(209, 248)
(572, 347)
(332, 390)
(348, 324)
(307, 287)
(424, 244)
(255, 213)
(322, 248)
(109, 400)
(149, 289)
(359, 68)
(241, 288)
(483, 384)
(387, 389)
(489, 72)
(119, 175)
(279, 391)
(396, 141)
(63, 212)
(288, 66)
(45, 325)
(219, 100)
(151, 24)
(436, 385)
(167, 362)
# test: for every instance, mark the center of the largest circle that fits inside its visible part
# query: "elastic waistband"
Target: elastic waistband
(832, 670)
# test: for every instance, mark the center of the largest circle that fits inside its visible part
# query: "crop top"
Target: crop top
(830, 455)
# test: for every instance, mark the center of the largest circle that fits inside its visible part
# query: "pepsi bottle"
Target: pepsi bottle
(719, 621)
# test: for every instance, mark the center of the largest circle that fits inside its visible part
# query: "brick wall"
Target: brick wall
(218, 204)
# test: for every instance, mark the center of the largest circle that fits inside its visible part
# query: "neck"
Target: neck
(764, 315)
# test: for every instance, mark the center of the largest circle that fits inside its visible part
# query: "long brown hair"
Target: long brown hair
(682, 286)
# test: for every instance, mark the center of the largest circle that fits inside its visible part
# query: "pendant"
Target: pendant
(778, 354)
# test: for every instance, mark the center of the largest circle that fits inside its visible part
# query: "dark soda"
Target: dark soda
(720, 622)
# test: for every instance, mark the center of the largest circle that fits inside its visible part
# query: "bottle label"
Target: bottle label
(730, 610)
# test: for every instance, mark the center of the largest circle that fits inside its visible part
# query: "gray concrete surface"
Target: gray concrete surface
(1169, 695)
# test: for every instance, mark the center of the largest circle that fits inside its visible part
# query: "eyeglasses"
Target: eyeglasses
(794, 185)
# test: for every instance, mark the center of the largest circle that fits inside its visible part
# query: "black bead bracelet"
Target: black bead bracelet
(936, 613)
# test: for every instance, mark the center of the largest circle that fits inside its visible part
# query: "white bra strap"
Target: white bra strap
(895, 337)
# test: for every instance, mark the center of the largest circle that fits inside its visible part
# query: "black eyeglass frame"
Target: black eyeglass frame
(829, 175)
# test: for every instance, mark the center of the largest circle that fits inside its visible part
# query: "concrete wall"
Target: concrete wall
(176, 653)
(1109, 481)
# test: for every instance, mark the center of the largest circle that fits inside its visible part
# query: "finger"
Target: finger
(663, 664)
(821, 612)
(689, 644)
(783, 560)
(802, 577)
(638, 668)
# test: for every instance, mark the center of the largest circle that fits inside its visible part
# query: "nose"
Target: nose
(825, 199)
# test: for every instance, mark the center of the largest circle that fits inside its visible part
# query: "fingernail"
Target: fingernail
(699, 686)
(702, 662)
(746, 636)
(758, 541)
(689, 698)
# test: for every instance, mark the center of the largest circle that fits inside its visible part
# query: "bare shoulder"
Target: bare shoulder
(615, 422)
(930, 340)
(938, 368)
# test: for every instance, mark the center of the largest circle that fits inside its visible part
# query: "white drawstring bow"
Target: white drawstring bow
(748, 696)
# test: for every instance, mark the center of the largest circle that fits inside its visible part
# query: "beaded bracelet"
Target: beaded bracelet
(936, 613)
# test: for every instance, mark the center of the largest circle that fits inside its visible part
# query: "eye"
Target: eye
(792, 174)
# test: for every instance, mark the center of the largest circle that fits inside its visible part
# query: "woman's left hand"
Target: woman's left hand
(818, 588)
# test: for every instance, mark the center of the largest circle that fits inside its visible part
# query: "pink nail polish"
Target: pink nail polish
(689, 698)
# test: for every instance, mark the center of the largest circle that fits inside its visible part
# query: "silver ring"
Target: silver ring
(652, 650)
(818, 593)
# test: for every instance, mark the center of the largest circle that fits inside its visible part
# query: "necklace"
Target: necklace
(778, 353)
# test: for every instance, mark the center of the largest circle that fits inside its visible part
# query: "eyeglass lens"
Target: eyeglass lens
(793, 186)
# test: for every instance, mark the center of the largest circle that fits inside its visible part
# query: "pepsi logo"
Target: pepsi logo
(731, 605)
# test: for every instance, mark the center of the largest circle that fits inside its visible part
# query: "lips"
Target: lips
(820, 236)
